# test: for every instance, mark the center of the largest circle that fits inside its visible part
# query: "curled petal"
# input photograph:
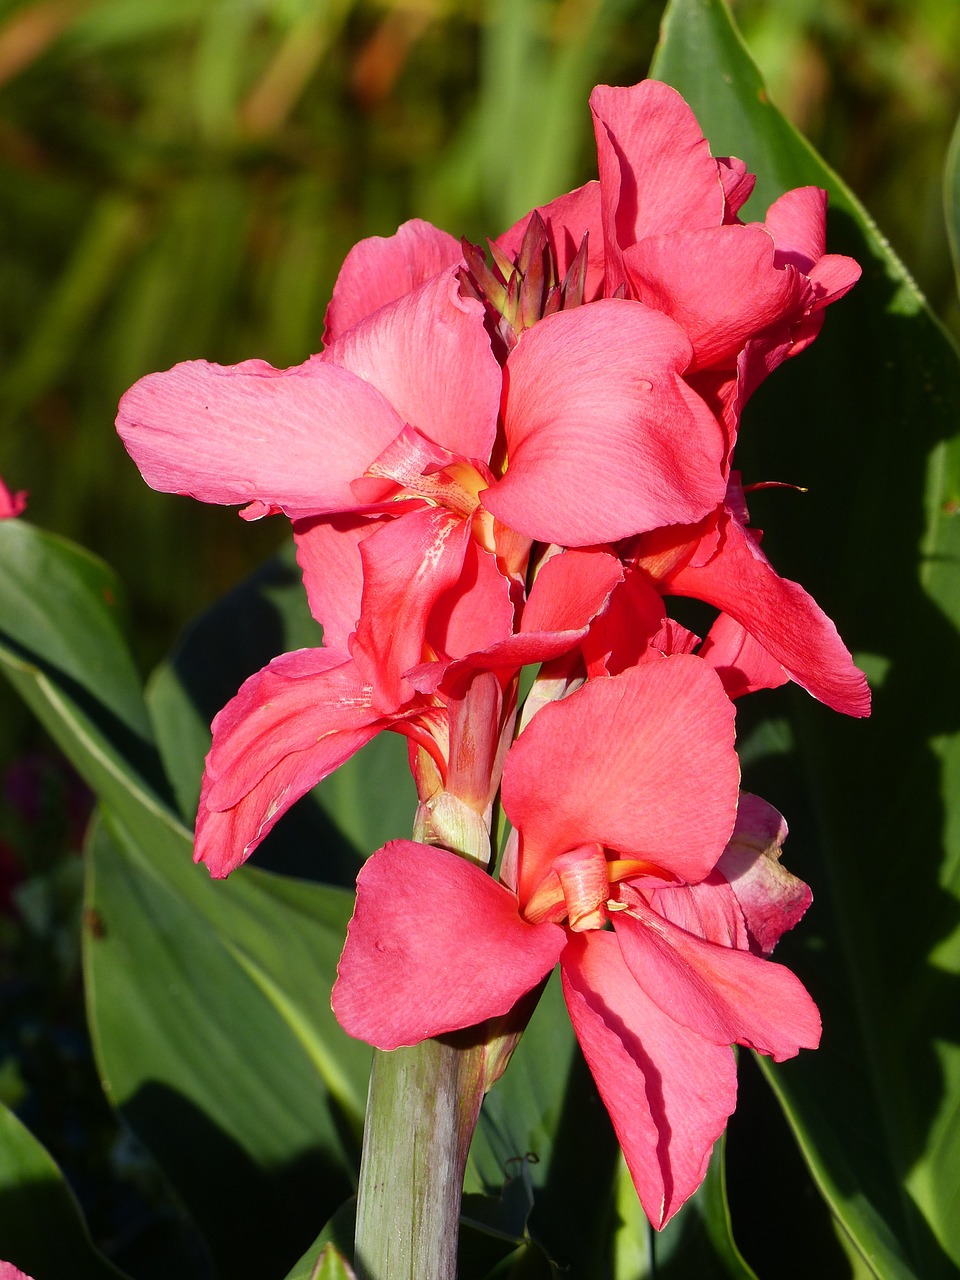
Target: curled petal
(771, 899)
(604, 437)
(381, 269)
(779, 614)
(434, 945)
(656, 171)
(723, 994)
(669, 1092)
(721, 286)
(569, 591)
(641, 762)
(290, 725)
(739, 660)
(475, 612)
(407, 565)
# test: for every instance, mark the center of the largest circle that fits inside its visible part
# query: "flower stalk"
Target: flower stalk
(422, 1110)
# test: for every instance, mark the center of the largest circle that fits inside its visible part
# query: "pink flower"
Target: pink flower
(9, 1272)
(413, 539)
(623, 796)
(304, 714)
(11, 504)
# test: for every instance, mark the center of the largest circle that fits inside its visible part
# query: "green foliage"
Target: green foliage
(41, 1229)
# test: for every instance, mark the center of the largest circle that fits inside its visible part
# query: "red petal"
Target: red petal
(328, 552)
(248, 432)
(710, 909)
(429, 355)
(380, 269)
(656, 171)
(290, 725)
(780, 616)
(434, 945)
(668, 1091)
(739, 660)
(723, 994)
(604, 437)
(720, 285)
(642, 763)
(407, 565)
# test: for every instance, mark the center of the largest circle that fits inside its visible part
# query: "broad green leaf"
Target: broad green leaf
(63, 648)
(209, 1004)
(867, 420)
(41, 1229)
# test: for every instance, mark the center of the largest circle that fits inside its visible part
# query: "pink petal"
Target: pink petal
(656, 171)
(721, 993)
(429, 354)
(621, 637)
(11, 504)
(669, 1092)
(771, 899)
(476, 611)
(383, 268)
(780, 616)
(740, 661)
(233, 435)
(9, 1272)
(604, 437)
(737, 185)
(642, 763)
(798, 223)
(568, 219)
(710, 910)
(407, 565)
(720, 285)
(434, 945)
(290, 725)
(328, 552)
(569, 591)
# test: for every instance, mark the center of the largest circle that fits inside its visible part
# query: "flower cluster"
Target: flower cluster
(513, 461)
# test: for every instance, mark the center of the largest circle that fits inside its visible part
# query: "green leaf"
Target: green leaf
(41, 1229)
(951, 198)
(209, 1004)
(866, 420)
(63, 647)
(369, 800)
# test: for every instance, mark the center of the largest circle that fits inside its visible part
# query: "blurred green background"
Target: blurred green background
(182, 178)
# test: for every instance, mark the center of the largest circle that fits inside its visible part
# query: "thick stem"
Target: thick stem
(421, 1113)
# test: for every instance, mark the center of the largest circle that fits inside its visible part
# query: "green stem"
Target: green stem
(421, 1113)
